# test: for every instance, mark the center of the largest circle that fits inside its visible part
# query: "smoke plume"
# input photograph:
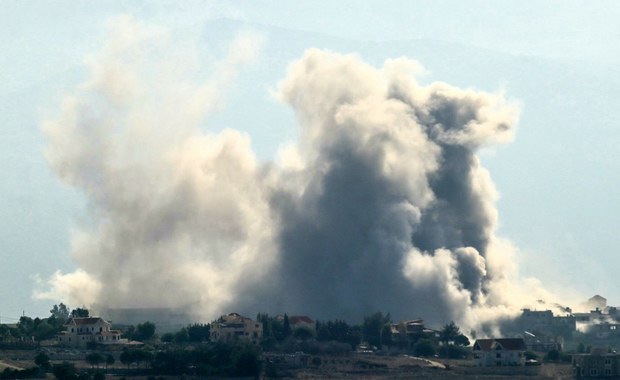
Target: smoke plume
(381, 204)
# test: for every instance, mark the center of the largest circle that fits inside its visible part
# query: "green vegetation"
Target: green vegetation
(373, 329)
(28, 373)
(42, 361)
(190, 352)
(142, 332)
(240, 359)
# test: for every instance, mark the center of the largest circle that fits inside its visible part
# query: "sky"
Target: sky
(556, 59)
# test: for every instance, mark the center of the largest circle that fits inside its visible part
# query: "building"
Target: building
(411, 329)
(605, 330)
(597, 364)
(233, 326)
(543, 322)
(79, 332)
(597, 302)
(499, 352)
(301, 321)
(298, 321)
(406, 333)
(542, 343)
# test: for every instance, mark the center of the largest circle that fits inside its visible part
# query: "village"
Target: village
(538, 344)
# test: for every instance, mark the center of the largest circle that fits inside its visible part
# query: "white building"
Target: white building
(80, 331)
(233, 326)
(499, 352)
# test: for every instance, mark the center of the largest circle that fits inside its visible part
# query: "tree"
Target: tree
(246, 360)
(109, 360)
(44, 330)
(142, 356)
(199, 332)
(461, 340)
(167, 337)
(26, 326)
(42, 360)
(581, 348)
(553, 355)
(130, 332)
(181, 336)
(80, 313)
(322, 332)
(145, 331)
(94, 359)
(286, 330)
(303, 333)
(127, 358)
(449, 333)
(424, 347)
(60, 311)
(386, 335)
(64, 371)
(372, 328)
(5, 333)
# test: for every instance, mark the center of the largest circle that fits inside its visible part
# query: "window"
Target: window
(607, 361)
(607, 371)
(498, 355)
(593, 372)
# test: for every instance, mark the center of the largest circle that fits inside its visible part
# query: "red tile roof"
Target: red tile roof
(297, 319)
(84, 321)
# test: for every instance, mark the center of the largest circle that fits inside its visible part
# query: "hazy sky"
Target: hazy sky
(558, 59)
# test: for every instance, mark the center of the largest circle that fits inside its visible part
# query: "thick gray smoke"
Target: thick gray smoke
(381, 204)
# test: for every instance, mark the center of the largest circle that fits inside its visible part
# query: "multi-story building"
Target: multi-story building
(543, 322)
(233, 326)
(407, 333)
(81, 331)
(597, 364)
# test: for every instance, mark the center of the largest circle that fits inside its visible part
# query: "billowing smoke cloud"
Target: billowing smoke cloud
(382, 203)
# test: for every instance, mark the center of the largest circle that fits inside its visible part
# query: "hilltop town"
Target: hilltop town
(541, 343)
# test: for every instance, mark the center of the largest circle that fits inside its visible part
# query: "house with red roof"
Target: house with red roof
(80, 331)
(298, 321)
(301, 321)
(499, 352)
